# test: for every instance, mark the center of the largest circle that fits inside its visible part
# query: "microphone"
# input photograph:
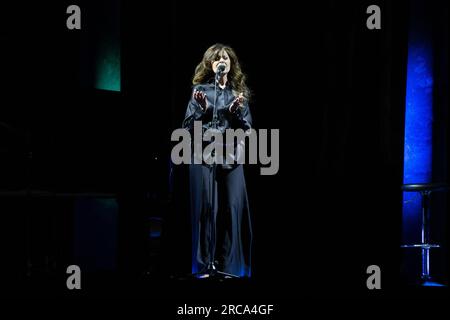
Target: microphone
(221, 68)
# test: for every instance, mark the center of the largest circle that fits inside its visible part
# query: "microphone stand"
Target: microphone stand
(211, 269)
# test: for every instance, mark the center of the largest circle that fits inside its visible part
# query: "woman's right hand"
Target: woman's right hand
(200, 97)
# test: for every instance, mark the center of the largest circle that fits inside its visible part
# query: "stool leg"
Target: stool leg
(425, 264)
(425, 235)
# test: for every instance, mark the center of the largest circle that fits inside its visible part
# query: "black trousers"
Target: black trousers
(232, 244)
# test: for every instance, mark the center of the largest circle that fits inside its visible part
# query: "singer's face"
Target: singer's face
(222, 57)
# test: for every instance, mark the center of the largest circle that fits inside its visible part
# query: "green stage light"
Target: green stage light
(108, 67)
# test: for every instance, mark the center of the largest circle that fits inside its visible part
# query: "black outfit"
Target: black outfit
(233, 224)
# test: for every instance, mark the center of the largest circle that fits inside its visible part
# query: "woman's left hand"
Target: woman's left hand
(237, 103)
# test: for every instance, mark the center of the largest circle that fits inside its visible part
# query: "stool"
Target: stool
(425, 190)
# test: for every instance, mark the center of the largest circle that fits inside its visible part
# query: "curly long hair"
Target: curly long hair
(237, 79)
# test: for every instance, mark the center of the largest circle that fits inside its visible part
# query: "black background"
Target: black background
(333, 88)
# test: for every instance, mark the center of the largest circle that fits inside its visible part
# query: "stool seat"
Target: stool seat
(419, 187)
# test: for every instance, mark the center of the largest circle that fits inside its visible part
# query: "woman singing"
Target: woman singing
(219, 84)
